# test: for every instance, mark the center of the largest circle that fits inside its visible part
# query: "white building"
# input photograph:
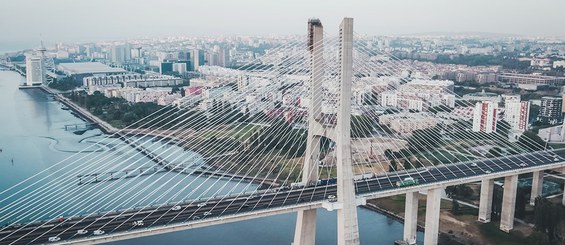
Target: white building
(35, 70)
(420, 95)
(179, 67)
(485, 117)
(516, 113)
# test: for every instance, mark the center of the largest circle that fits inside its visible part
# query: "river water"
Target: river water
(33, 141)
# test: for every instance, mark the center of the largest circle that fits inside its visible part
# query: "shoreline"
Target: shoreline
(390, 214)
(106, 128)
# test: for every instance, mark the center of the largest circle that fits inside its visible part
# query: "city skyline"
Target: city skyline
(68, 21)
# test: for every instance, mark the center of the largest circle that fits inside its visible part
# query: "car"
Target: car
(82, 232)
(54, 239)
(332, 198)
(407, 182)
(201, 204)
(473, 164)
(523, 165)
(556, 159)
(61, 219)
(487, 172)
(207, 213)
(176, 208)
(137, 223)
(98, 232)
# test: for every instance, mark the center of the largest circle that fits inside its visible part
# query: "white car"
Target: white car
(556, 159)
(137, 223)
(82, 232)
(54, 239)
(207, 213)
(473, 164)
(487, 172)
(332, 198)
(98, 232)
(523, 165)
(176, 208)
(201, 205)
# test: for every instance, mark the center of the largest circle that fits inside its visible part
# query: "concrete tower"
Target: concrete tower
(305, 233)
(347, 227)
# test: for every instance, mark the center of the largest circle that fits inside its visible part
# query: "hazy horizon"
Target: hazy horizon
(22, 22)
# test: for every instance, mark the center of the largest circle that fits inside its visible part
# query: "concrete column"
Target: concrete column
(537, 186)
(411, 217)
(563, 199)
(305, 230)
(433, 204)
(347, 226)
(485, 204)
(508, 203)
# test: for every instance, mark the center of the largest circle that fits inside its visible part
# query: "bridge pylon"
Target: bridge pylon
(347, 225)
(305, 231)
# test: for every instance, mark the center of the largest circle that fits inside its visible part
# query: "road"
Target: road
(274, 198)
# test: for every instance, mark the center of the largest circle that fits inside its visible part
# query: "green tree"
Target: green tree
(538, 238)
(361, 126)
(531, 141)
(455, 208)
(495, 152)
(547, 216)
(392, 166)
(521, 202)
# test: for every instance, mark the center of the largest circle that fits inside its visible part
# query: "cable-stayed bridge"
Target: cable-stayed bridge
(325, 158)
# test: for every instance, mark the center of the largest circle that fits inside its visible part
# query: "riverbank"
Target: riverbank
(455, 229)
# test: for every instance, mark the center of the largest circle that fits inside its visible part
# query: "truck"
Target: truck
(297, 185)
(408, 181)
(328, 181)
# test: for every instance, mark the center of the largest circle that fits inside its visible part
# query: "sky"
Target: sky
(22, 22)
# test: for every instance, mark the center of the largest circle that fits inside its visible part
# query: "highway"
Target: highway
(274, 198)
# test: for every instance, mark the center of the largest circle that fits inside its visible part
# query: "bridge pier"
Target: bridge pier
(485, 203)
(433, 204)
(508, 203)
(411, 217)
(537, 186)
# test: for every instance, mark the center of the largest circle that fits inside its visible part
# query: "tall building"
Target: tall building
(551, 110)
(197, 57)
(166, 68)
(516, 113)
(180, 68)
(120, 53)
(35, 70)
(485, 117)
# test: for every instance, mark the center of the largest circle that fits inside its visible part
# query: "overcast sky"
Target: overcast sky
(22, 21)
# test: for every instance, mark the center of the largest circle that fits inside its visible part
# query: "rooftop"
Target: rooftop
(87, 68)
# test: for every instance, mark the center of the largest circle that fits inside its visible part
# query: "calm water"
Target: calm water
(32, 135)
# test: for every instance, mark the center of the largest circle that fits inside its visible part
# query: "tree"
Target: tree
(407, 164)
(392, 166)
(423, 139)
(547, 216)
(389, 154)
(455, 208)
(521, 202)
(538, 238)
(503, 128)
(495, 152)
(496, 207)
(531, 141)
(361, 126)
